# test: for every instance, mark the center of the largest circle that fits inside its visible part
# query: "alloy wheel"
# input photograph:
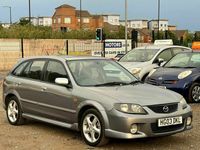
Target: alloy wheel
(13, 111)
(91, 128)
(196, 93)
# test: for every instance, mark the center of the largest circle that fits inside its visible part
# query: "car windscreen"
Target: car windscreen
(184, 60)
(139, 55)
(99, 73)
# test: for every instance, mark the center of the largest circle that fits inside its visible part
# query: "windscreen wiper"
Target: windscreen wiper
(173, 67)
(135, 82)
(111, 84)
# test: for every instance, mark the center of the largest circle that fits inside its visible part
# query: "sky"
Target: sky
(185, 14)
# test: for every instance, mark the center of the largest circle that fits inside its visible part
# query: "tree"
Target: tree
(23, 22)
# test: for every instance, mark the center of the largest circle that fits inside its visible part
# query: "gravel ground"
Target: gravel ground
(41, 136)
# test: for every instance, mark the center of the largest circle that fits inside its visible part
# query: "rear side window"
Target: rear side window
(19, 69)
(34, 70)
(177, 50)
(55, 70)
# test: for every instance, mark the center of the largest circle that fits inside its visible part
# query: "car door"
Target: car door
(57, 100)
(29, 87)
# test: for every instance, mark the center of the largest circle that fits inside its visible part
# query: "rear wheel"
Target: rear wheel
(194, 93)
(14, 112)
(92, 128)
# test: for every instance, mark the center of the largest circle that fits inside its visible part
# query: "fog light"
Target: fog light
(189, 121)
(134, 128)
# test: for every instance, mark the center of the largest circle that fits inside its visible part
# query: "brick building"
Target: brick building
(66, 18)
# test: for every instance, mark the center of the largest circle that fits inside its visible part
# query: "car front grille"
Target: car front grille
(164, 108)
(156, 129)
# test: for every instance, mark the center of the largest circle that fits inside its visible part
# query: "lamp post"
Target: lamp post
(10, 9)
(158, 19)
(80, 14)
(29, 8)
(126, 28)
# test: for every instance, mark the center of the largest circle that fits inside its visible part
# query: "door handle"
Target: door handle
(44, 88)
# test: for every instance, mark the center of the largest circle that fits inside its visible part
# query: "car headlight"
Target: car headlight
(151, 73)
(130, 108)
(184, 74)
(183, 103)
(136, 71)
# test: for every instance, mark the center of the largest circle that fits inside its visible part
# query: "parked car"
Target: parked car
(181, 74)
(140, 61)
(83, 94)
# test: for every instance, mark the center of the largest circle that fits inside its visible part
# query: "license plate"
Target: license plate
(170, 121)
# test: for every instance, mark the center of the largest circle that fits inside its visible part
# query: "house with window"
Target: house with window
(112, 19)
(67, 18)
(163, 24)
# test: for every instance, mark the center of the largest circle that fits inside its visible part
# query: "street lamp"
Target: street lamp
(80, 14)
(158, 19)
(126, 28)
(10, 9)
(29, 6)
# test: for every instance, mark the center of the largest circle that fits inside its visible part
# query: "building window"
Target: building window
(67, 20)
(59, 20)
(54, 20)
(86, 20)
(116, 20)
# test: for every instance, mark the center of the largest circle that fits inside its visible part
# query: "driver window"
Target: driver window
(165, 55)
(54, 70)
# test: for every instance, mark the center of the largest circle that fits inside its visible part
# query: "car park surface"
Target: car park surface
(181, 74)
(141, 60)
(29, 91)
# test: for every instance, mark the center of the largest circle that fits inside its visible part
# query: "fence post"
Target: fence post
(67, 47)
(22, 47)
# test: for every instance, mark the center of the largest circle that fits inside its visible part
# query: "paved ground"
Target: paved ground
(42, 136)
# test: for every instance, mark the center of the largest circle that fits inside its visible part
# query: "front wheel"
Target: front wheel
(92, 128)
(14, 112)
(194, 93)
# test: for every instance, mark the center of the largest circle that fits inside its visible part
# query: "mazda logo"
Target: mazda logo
(166, 109)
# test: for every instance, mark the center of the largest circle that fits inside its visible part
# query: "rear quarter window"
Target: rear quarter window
(18, 70)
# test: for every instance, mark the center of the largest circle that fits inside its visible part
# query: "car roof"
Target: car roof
(64, 57)
(161, 47)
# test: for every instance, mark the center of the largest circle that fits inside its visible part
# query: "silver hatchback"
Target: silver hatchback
(95, 96)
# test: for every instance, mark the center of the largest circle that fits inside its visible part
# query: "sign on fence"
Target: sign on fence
(113, 47)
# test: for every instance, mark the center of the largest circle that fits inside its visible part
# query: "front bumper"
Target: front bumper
(120, 124)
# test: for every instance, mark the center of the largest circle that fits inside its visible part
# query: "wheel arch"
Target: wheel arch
(89, 105)
(10, 94)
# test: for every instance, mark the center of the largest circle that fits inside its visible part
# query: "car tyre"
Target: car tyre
(14, 112)
(194, 93)
(93, 128)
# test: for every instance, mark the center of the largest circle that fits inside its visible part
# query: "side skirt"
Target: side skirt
(54, 122)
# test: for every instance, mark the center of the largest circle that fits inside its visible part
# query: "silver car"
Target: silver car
(95, 96)
(142, 60)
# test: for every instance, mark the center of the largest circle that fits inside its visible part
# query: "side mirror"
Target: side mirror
(62, 81)
(160, 61)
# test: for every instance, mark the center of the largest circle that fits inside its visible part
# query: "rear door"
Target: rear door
(30, 86)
